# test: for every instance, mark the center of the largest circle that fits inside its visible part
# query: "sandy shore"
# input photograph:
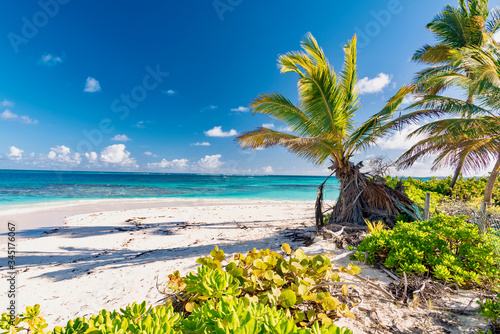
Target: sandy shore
(108, 259)
(117, 255)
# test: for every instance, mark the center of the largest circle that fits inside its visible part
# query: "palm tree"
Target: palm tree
(324, 129)
(471, 24)
(472, 136)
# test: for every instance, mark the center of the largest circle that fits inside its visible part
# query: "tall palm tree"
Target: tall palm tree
(471, 24)
(324, 129)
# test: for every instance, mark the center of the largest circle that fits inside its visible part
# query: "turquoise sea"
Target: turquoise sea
(25, 187)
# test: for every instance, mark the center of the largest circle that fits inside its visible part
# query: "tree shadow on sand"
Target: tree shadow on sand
(79, 261)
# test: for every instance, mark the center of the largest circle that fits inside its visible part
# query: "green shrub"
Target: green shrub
(229, 316)
(448, 248)
(465, 189)
(490, 310)
(268, 278)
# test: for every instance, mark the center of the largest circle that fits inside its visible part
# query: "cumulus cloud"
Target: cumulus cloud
(121, 138)
(92, 85)
(217, 132)
(241, 109)
(50, 60)
(268, 170)
(268, 125)
(117, 155)
(8, 115)
(205, 143)
(375, 85)
(6, 103)
(15, 153)
(63, 154)
(399, 139)
(211, 162)
(91, 157)
(175, 164)
(168, 92)
(150, 154)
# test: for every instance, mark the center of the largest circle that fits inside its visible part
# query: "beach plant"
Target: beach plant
(448, 248)
(230, 315)
(321, 128)
(490, 310)
(293, 283)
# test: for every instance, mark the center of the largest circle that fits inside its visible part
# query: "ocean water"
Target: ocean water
(33, 187)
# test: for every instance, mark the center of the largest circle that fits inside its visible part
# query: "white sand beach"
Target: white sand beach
(111, 257)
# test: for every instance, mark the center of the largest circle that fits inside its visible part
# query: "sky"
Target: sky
(165, 86)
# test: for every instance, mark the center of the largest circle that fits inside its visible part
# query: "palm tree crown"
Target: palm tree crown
(323, 128)
(322, 122)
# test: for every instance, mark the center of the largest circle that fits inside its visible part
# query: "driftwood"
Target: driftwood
(361, 199)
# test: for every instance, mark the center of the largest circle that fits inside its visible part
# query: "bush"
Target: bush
(265, 277)
(471, 189)
(230, 315)
(448, 248)
(490, 310)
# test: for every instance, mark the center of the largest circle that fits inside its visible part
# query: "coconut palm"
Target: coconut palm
(471, 24)
(472, 136)
(322, 128)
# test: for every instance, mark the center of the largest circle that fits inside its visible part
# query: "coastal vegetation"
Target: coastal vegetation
(447, 248)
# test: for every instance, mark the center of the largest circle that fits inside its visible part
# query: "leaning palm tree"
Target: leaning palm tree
(471, 24)
(324, 129)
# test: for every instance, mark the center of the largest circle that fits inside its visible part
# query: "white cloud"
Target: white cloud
(205, 143)
(15, 153)
(92, 85)
(268, 125)
(7, 114)
(212, 107)
(50, 60)
(496, 36)
(150, 154)
(268, 170)
(116, 154)
(141, 124)
(217, 132)
(211, 162)
(176, 164)
(6, 103)
(121, 138)
(91, 157)
(28, 120)
(375, 85)
(10, 116)
(410, 99)
(168, 92)
(422, 169)
(63, 154)
(241, 109)
(399, 140)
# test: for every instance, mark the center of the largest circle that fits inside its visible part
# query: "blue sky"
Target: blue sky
(165, 85)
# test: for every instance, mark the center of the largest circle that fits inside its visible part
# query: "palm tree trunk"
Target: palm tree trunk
(488, 191)
(457, 173)
(361, 198)
(461, 162)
